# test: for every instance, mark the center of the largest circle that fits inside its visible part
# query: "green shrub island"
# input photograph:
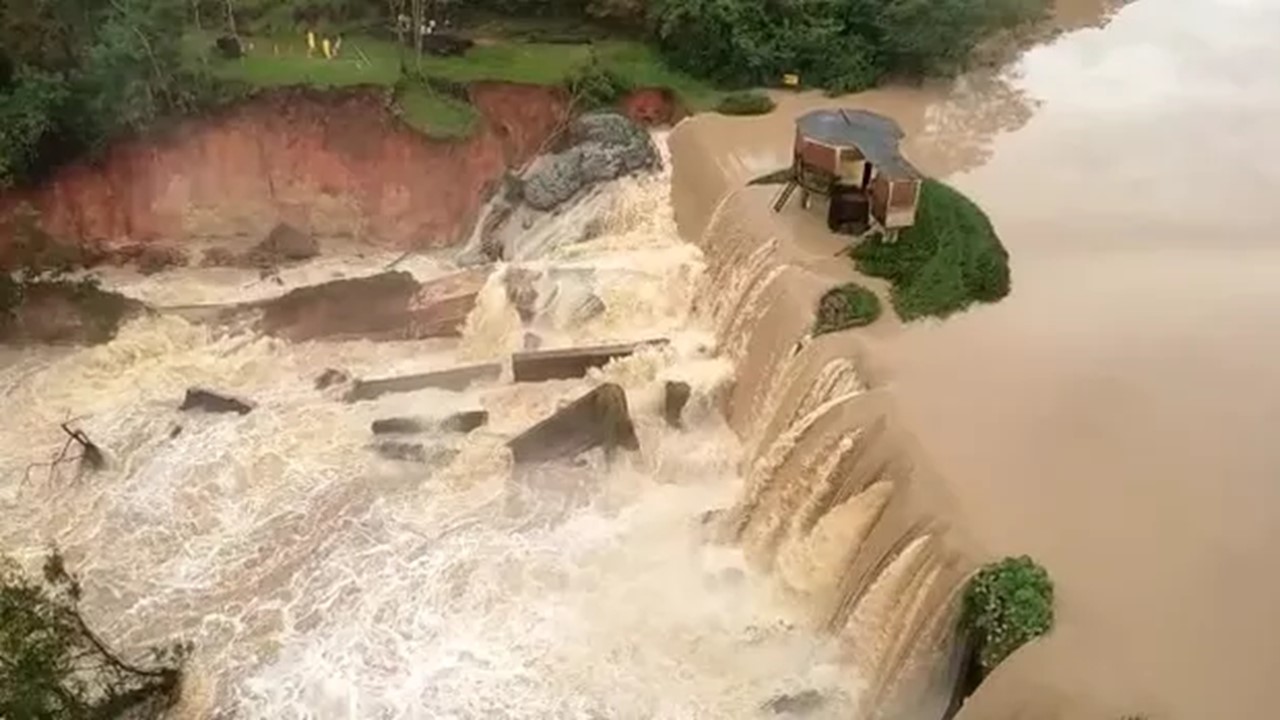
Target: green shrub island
(1007, 604)
(844, 307)
(747, 102)
(949, 259)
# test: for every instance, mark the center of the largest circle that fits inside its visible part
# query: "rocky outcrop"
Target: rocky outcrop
(556, 199)
(603, 146)
(330, 163)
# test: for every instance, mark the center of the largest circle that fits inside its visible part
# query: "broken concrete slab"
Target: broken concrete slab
(387, 306)
(597, 419)
(675, 397)
(210, 401)
(454, 379)
(459, 422)
(399, 426)
(539, 365)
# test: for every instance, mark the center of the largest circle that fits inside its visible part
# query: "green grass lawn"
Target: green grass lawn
(437, 115)
(275, 62)
(950, 259)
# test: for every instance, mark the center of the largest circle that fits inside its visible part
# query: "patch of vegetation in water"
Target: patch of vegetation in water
(948, 260)
(746, 102)
(1007, 604)
(844, 307)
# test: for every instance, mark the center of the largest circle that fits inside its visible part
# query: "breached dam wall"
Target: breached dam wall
(839, 504)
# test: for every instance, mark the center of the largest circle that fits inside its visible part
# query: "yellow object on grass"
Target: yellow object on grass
(791, 79)
(328, 50)
(311, 42)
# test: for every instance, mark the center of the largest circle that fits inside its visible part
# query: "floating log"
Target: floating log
(597, 419)
(454, 379)
(539, 365)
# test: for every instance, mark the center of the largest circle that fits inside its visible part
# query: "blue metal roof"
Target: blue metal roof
(876, 136)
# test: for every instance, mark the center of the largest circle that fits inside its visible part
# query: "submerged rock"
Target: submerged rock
(416, 452)
(796, 704)
(210, 401)
(331, 377)
(465, 421)
(285, 243)
(676, 396)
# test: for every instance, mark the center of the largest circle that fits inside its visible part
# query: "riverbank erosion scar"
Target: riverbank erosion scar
(331, 163)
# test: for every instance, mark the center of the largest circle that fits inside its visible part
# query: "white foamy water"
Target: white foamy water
(318, 580)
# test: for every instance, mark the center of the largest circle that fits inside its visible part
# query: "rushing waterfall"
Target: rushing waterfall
(318, 579)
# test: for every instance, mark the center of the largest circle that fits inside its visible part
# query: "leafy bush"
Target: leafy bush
(52, 665)
(594, 86)
(847, 306)
(1007, 604)
(750, 102)
(949, 259)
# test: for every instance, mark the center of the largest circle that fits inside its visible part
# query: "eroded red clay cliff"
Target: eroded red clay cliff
(334, 164)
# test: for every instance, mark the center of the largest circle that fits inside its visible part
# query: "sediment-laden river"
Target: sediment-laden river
(1114, 416)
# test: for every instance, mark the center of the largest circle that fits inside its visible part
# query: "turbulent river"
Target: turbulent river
(318, 580)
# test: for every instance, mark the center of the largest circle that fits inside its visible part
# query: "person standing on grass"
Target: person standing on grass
(311, 43)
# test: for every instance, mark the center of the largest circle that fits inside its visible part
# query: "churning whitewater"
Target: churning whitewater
(318, 580)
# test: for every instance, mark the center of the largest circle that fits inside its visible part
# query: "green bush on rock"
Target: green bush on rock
(844, 307)
(948, 260)
(1007, 604)
(750, 102)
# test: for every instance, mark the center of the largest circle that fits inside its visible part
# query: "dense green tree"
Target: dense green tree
(840, 45)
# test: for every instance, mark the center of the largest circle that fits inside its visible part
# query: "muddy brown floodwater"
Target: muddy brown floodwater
(1115, 416)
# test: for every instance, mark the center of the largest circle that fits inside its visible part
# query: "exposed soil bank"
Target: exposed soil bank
(333, 163)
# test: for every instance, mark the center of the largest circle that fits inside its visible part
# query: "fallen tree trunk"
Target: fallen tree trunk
(539, 365)
(598, 419)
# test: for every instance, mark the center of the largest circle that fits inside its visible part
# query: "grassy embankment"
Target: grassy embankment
(950, 259)
(276, 62)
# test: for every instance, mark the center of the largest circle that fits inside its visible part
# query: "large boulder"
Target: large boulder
(604, 146)
(285, 243)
